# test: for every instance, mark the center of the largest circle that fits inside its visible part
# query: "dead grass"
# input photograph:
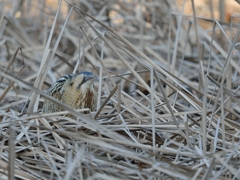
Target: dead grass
(168, 92)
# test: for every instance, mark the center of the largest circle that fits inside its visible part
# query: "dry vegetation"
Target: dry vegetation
(168, 92)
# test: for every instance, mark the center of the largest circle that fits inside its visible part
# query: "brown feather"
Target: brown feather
(73, 91)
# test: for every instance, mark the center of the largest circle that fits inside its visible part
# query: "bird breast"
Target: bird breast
(80, 99)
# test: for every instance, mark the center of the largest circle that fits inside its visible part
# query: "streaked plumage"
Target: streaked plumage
(75, 90)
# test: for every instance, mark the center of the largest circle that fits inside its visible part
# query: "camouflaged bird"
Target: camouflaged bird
(75, 90)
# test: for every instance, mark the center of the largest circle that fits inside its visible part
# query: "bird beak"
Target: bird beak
(90, 77)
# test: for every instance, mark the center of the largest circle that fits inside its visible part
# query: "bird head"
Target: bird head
(84, 81)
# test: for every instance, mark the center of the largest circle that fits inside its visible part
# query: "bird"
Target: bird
(75, 90)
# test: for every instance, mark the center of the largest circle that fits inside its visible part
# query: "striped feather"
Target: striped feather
(76, 90)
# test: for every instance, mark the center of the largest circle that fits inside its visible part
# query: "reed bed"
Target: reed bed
(168, 91)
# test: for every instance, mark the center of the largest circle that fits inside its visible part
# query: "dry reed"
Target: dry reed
(168, 92)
